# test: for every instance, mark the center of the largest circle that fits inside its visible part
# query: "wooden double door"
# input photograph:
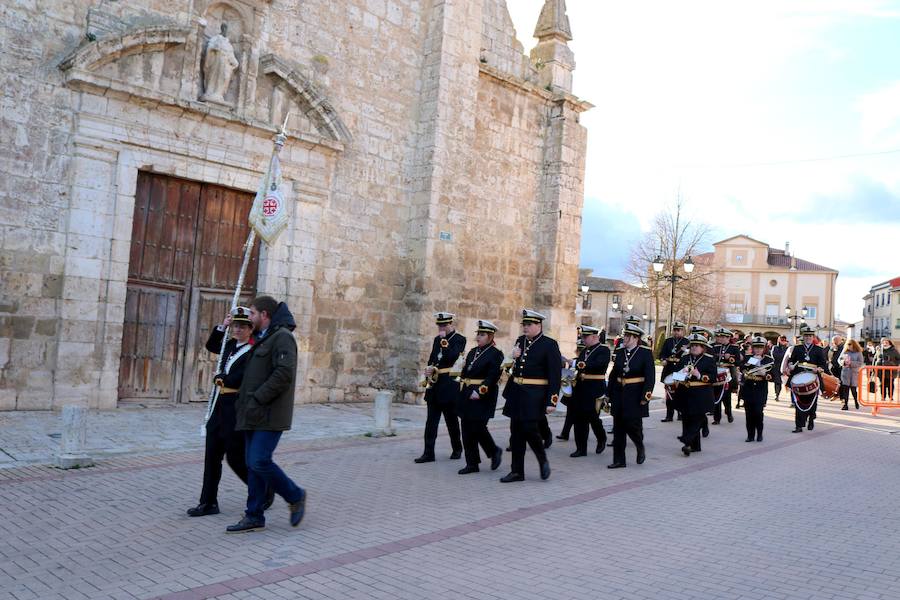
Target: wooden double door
(187, 244)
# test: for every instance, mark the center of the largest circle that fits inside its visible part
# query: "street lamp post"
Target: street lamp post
(794, 318)
(658, 266)
(628, 307)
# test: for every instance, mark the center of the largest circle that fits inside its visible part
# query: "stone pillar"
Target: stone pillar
(74, 438)
(383, 423)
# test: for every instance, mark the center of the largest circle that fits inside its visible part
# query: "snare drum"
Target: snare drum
(723, 375)
(805, 387)
(670, 383)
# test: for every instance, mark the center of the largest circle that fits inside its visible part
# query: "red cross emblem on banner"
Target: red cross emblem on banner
(270, 206)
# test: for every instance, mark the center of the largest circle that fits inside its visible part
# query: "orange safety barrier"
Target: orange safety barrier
(879, 388)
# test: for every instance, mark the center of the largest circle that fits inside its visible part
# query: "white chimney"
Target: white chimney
(787, 248)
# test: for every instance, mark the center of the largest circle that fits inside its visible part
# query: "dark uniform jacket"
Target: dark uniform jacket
(671, 353)
(445, 389)
(778, 352)
(735, 356)
(630, 400)
(590, 361)
(755, 388)
(223, 417)
(802, 355)
(481, 375)
(834, 360)
(696, 395)
(541, 360)
(266, 399)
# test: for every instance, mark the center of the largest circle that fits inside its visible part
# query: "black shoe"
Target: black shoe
(601, 446)
(510, 477)
(578, 453)
(641, 456)
(857, 405)
(730, 419)
(705, 432)
(562, 437)
(665, 420)
(298, 509)
(468, 469)
(202, 510)
(686, 450)
(457, 454)
(845, 407)
(424, 459)
(715, 422)
(749, 439)
(496, 458)
(545, 470)
(508, 449)
(796, 430)
(739, 406)
(810, 426)
(246, 525)
(758, 437)
(270, 499)
(548, 442)
(616, 465)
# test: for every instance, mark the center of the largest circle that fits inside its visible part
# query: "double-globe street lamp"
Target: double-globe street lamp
(794, 318)
(672, 278)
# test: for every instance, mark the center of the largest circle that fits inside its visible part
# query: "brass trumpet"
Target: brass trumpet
(429, 380)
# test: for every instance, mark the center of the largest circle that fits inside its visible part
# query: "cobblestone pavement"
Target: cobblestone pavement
(796, 516)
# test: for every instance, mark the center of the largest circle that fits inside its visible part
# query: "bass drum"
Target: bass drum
(831, 387)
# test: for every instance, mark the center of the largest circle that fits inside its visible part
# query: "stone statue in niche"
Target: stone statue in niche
(218, 67)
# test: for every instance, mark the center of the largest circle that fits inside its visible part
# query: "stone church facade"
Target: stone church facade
(430, 164)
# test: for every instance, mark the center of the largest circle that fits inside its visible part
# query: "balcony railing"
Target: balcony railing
(750, 319)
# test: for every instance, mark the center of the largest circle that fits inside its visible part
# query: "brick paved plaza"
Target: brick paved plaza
(796, 516)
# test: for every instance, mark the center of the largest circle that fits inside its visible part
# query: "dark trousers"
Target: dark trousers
(726, 402)
(670, 408)
(263, 473)
(846, 390)
(691, 425)
(776, 379)
(801, 417)
(433, 419)
(523, 432)
(474, 433)
(887, 386)
(544, 428)
(754, 420)
(567, 425)
(633, 428)
(584, 419)
(229, 445)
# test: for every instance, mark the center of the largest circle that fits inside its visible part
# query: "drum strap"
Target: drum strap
(811, 404)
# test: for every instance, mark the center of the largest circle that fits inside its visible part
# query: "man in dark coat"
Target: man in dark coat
(670, 355)
(834, 356)
(590, 385)
(778, 352)
(696, 372)
(441, 389)
(531, 392)
(630, 389)
(265, 409)
(222, 441)
(478, 391)
(806, 357)
(757, 373)
(728, 356)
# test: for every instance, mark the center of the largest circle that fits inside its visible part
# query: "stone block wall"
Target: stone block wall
(424, 172)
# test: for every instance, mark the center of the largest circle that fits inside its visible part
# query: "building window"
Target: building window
(616, 299)
(889, 298)
(897, 326)
(811, 312)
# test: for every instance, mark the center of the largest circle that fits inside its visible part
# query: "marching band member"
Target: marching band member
(589, 387)
(479, 387)
(757, 373)
(630, 389)
(694, 394)
(809, 358)
(441, 395)
(567, 424)
(531, 393)
(728, 356)
(670, 355)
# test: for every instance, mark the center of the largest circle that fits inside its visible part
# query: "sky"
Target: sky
(778, 119)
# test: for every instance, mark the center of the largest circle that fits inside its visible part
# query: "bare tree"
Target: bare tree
(675, 236)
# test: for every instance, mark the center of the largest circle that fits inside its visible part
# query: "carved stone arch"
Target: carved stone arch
(314, 104)
(94, 55)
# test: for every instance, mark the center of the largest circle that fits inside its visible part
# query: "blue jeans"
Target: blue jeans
(263, 473)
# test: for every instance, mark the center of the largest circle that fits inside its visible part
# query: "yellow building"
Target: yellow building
(766, 289)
